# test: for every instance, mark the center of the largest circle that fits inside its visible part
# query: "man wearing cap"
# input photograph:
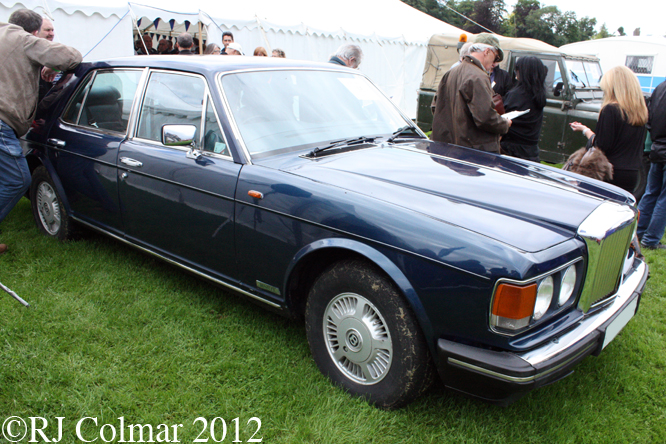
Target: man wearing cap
(464, 111)
(500, 80)
(234, 48)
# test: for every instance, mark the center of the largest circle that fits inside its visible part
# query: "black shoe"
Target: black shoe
(659, 246)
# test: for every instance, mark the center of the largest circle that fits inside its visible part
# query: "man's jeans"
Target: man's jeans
(14, 172)
(652, 206)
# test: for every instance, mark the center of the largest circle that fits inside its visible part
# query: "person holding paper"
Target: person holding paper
(529, 94)
(464, 111)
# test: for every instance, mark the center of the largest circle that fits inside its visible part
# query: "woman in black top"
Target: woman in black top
(522, 140)
(621, 127)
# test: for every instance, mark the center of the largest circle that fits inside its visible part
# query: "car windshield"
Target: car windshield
(283, 110)
(584, 74)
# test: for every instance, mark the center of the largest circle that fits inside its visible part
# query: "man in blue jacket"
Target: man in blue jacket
(652, 222)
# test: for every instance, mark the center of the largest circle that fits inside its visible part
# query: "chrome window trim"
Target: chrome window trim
(209, 98)
(232, 119)
(178, 264)
(85, 97)
(523, 283)
(136, 111)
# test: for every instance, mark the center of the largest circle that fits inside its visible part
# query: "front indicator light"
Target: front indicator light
(513, 306)
(543, 298)
(567, 286)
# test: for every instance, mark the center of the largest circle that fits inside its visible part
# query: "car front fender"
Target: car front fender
(373, 255)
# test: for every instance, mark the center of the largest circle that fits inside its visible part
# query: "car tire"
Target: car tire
(364, 336)
(50, 214)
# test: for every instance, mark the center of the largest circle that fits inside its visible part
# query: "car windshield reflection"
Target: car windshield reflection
(584, 74)
(278, 111)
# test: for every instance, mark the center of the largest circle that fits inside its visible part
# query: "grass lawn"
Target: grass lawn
(112, 333)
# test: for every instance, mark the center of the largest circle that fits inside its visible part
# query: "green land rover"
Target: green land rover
(572, 91)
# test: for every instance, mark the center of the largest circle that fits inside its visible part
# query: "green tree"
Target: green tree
(603, 33)
(487, 13)
(542, 24)
(522, 9)
(620, 31)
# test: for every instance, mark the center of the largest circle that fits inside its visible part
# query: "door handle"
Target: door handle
(131, 162)
(56, 142)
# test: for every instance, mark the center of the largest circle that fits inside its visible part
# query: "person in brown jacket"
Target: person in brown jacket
(464, 111)
(22, 56)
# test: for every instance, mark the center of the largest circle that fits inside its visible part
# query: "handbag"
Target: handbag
(498, 103)
(590, 161)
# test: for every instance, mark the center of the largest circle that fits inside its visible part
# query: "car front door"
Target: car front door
(178, 205)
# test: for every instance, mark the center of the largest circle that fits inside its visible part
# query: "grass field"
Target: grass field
(114, 333)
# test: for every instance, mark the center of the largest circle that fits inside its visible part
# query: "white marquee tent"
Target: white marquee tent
(393, 35)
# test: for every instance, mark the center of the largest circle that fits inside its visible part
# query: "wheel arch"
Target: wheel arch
(313, 259)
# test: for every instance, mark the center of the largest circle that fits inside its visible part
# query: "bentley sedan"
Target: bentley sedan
(301, 186)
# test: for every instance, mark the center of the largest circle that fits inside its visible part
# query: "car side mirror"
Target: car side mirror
(558, 89)
(181, 135)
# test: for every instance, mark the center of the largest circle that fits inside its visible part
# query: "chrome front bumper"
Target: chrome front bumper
(503, 377)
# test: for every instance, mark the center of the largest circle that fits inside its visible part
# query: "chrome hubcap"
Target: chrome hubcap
(48, 208)
(357, 338)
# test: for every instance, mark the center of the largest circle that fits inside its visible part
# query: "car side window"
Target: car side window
(171, 99)
(554, 82)
(213, 140)
(73, 110)
(106, 102)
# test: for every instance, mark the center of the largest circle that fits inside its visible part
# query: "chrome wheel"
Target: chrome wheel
(48, 208)
(357, 338)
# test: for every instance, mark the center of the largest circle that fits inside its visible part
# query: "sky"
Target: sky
(645, 14)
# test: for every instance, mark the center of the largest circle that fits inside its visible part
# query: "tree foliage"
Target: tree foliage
(603, 33)
(528, 19)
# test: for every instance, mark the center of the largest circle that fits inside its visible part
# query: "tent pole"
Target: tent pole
(201, 51)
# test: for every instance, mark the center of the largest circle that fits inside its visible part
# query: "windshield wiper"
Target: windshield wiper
(576, 79)
(340, 143)
(404, 130)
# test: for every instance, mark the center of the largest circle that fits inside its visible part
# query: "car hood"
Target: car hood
(522, 204)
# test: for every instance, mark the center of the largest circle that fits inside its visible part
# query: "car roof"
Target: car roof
(212, 63)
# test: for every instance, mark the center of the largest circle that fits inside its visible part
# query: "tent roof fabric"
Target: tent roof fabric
(393, 35)
(384, 20)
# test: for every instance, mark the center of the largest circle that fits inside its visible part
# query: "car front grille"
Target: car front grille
(607, 232)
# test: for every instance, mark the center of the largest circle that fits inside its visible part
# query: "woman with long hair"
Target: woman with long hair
(212, 48)
(620, 131)
(522, 140)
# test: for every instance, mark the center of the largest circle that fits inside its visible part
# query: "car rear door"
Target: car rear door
(87, 138)
(178, 206)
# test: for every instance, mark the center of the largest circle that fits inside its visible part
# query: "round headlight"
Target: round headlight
(543, 298)
(568, 284)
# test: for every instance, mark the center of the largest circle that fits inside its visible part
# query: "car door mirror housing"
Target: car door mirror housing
(558, 89)
(178, 135)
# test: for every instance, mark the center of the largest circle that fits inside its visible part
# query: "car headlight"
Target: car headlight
(567, 286)
(543, 298)
(516, 305)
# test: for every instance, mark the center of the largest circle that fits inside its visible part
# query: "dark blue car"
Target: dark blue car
(301, 186)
